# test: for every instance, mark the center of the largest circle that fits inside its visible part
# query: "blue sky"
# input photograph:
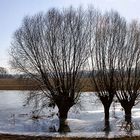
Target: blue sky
(13, 11)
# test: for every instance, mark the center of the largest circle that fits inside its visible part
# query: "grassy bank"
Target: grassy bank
(25, 137)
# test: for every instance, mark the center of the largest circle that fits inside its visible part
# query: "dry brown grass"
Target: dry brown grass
(25, 137)
(17, 84)
(22, 84)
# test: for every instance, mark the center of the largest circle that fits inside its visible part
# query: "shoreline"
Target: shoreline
(69, 136)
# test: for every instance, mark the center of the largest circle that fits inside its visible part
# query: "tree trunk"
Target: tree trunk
(63, 126)
(128, 115)
(106, 118)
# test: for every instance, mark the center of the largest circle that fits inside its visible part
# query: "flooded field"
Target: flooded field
(87, 116)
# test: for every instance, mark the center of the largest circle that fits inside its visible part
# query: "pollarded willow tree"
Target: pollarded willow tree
(108, 34)
(128, 70)
(53, 49)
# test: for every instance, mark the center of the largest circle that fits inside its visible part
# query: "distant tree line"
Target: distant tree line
(5, 75)
(57, 47)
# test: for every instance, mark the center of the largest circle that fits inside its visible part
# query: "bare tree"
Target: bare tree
(128, 70)
(108, 33)
(53, 49)
(3, 72)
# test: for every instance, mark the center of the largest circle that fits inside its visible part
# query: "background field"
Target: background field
(27, 84)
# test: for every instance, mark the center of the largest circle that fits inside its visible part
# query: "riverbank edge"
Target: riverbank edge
(70, 136)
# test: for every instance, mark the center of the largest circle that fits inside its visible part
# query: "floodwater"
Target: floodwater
(86, 116)
(16, 117)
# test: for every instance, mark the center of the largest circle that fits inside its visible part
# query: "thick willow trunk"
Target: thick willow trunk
(63, 114)
(128, 115)
(106, 118)
(127, 106)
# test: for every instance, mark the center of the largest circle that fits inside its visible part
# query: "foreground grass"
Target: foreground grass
(25, 137)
